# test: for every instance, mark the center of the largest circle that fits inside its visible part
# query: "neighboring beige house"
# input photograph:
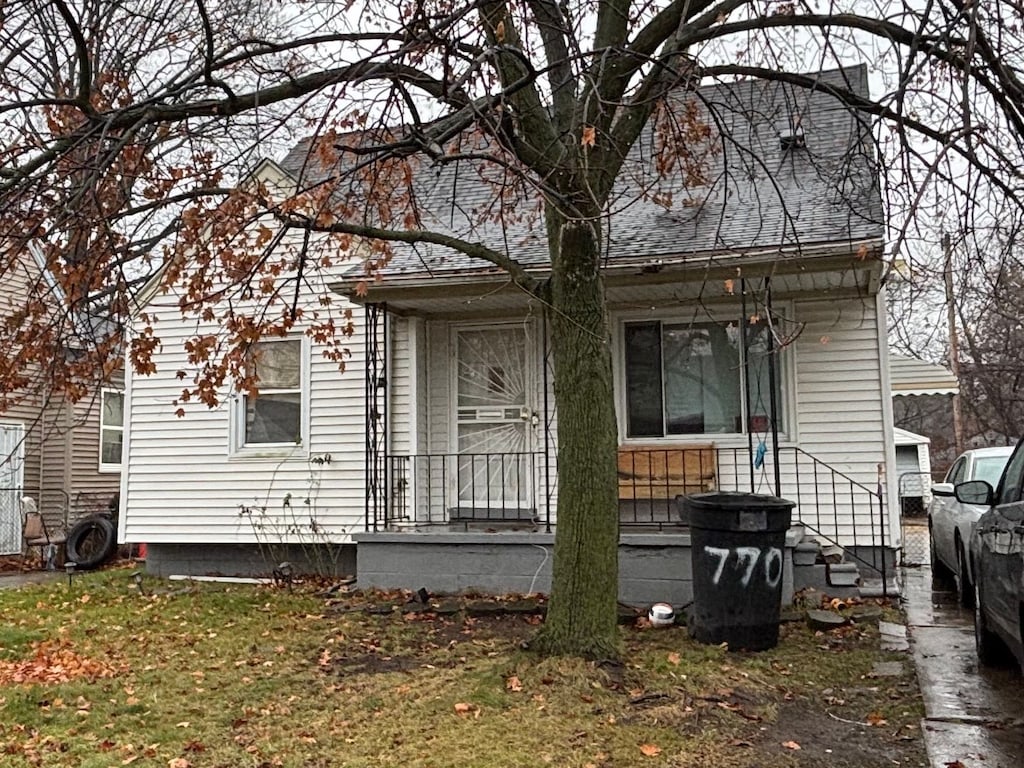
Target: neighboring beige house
(65, 456)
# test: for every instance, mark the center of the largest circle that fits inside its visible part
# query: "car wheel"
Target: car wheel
(939, 570)
(963, 584)
(990, 649)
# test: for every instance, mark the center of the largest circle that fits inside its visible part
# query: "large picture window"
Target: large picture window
(698, 378)
(274, 415)
(111, 429)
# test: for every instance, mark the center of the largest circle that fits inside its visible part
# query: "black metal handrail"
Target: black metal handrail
(833, 492)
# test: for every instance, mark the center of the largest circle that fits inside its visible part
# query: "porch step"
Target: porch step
(825, 569)
(816, 577)
(874, 587)
(842, 574)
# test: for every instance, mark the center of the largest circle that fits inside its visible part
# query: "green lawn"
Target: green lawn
(213, 675)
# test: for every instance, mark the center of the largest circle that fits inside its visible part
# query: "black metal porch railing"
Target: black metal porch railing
(840, 510)
(835, 508)
(651, 480)
(516, 488)
(467, 488)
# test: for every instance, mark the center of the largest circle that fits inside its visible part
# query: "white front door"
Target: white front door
(12, 454)
(493, 424)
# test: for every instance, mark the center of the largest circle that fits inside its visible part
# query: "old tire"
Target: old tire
(90, 542)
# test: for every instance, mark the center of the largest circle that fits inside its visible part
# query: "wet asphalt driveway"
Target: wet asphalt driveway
(974, 716)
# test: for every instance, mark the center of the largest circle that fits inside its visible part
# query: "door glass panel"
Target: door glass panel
(491, 424)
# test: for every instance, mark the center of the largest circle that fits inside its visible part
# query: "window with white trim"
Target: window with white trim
(111, 429)
(274, 416)
(698, 378)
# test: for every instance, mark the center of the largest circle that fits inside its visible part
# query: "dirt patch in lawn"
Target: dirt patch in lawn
(815, 700)
(824, 738)
(431, 641)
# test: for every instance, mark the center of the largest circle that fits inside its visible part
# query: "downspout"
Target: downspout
(67, 411)
(888, 434)
(547, 420)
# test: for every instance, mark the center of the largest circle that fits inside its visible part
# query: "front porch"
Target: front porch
(475, 522)
(462, 428)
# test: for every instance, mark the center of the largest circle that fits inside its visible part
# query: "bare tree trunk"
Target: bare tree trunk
(582, 615)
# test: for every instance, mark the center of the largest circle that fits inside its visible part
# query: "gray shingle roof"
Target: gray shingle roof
(754, 194)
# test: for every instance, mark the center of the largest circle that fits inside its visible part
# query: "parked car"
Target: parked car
(950, 522)
(997, 559)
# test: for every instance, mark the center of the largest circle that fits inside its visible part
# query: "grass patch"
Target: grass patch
(231, 675)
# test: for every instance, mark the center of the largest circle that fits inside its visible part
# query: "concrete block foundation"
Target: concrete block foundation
(249, 559)
(653, 567)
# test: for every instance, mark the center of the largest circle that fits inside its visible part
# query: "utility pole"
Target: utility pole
(954, 344)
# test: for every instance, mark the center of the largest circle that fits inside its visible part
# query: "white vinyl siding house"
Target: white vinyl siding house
(227, 474)
(282, 467)
(51, 448)
(756, 356)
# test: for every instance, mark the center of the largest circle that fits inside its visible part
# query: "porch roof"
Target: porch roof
(824, 270)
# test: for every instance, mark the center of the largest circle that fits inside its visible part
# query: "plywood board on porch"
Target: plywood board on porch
(658, 472)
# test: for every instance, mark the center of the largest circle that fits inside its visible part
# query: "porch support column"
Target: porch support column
(772, 378)
(376, 399)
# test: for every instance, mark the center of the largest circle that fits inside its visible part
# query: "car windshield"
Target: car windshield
(989, 469)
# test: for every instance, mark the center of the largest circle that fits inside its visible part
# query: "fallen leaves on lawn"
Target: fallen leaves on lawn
(462, 709)
(791, 745)
(513, 683)
(53, 662)
(874, 718)
(651, 750)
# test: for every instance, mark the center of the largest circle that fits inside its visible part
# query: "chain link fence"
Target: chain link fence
(913, 490)
(915, 542)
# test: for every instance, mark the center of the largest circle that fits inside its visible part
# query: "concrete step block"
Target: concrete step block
(806, 553)
(816, 577)
(842, 574)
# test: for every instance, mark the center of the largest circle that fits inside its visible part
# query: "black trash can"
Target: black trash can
(737, 550)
